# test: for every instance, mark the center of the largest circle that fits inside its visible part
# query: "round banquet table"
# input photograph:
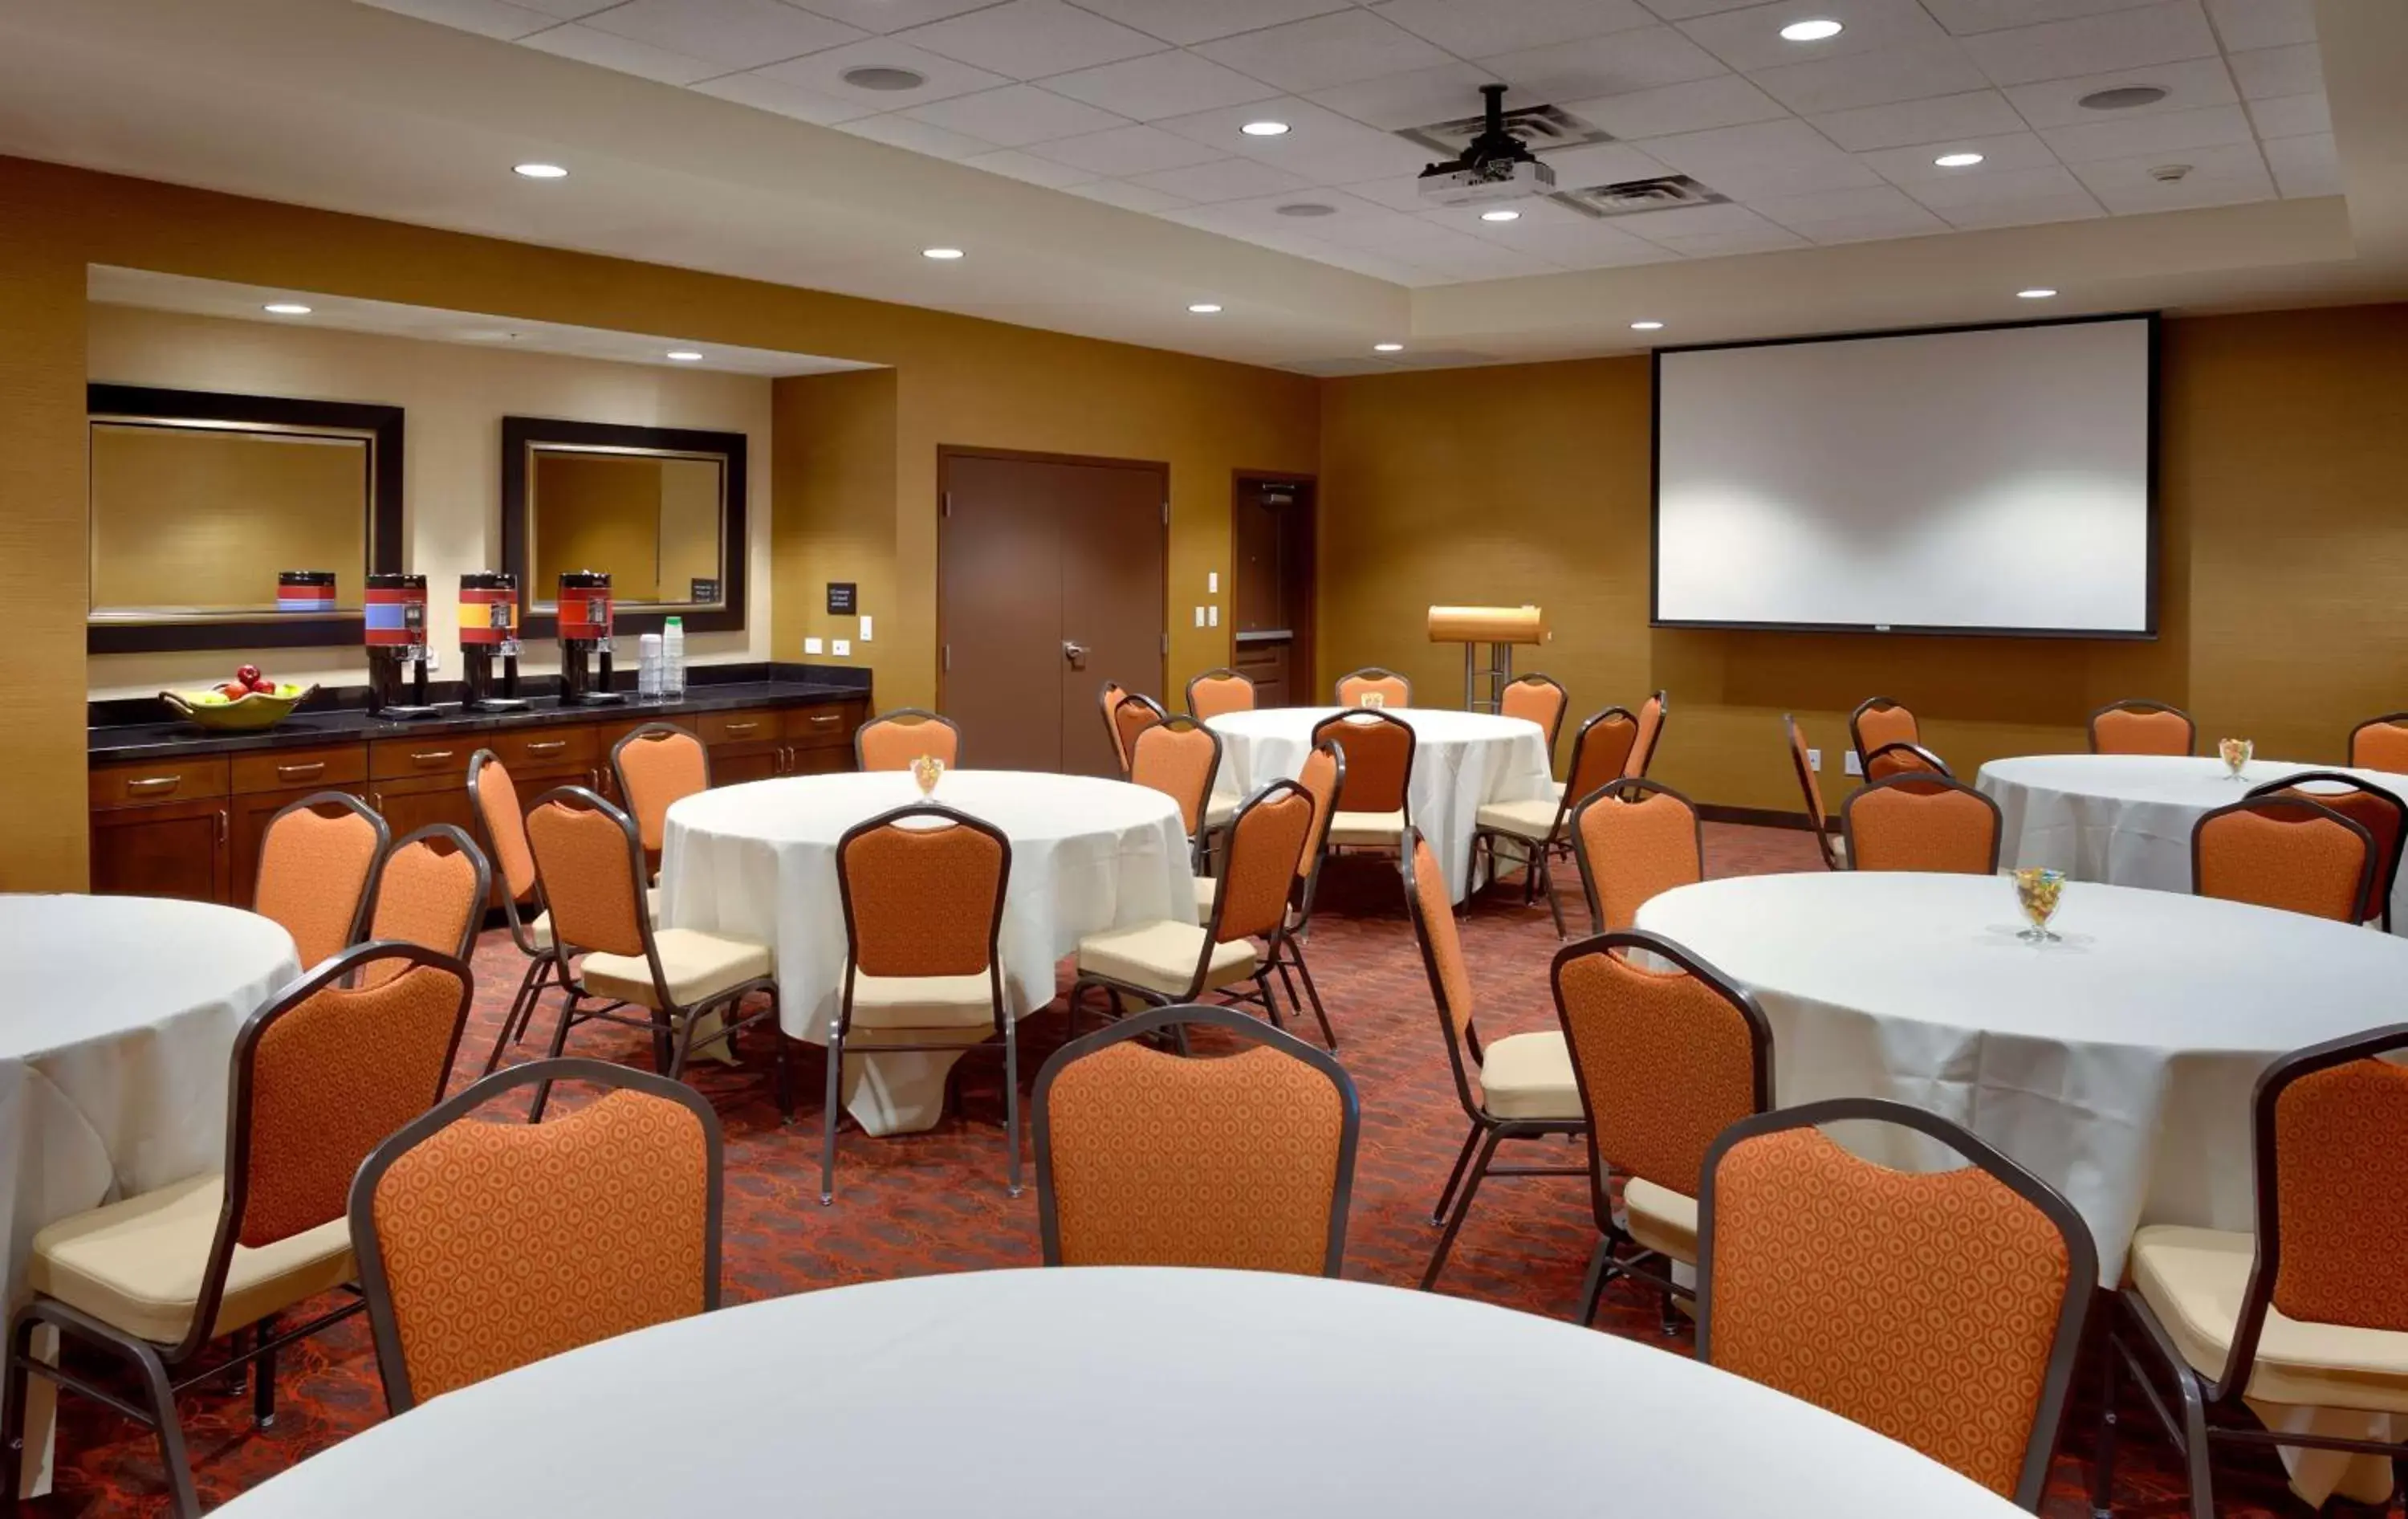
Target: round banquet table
(1462, 761)
(2116, 1064)
(121, 1015)
(758, 861)
(2126, 819)
(1176, 1393)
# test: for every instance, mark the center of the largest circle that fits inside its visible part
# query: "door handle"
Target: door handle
(1076, 654)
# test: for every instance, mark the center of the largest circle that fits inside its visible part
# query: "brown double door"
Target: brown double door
(1049, 584)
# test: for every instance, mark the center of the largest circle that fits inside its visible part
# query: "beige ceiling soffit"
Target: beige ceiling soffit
(2365, 48)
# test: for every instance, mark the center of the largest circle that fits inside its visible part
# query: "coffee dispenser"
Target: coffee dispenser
(585, 639)
(311, 591)
(396, 640)
(489, 631)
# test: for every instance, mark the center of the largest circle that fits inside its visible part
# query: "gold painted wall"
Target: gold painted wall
(598, 511)
(184, 517)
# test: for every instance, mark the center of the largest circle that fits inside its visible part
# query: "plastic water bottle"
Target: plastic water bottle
(648, 667)
(673, 659)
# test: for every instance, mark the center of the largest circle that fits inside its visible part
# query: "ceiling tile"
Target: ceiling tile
(1337, 48)
(1771, 158)
(1474, 259)
(2007, 186)
(1751, 39)
(1128, 149)
(1474, 28)
(2202, 81)
(1445, 93)
(2002, 154)
(1767, 238)
(1028, 166)
(2139, 196)
(1024, 39)
(1911, 121)
(1641, 59)
(1699, 106)
(2306, 165)
(1227, 178)
(823, 73)
(1185, 21)
(2166, 33)
(1681, 10)
(1916, 72)
(486, 17)
(2212, 126)
(2131, 183)
(1850, 214)
(739, 34)
(1600, 162)
(1159, 84)
(1402, 193)
(2265, 73)
(902, 131)
(1015, 116)
(1537, 215)
(2291, 116)
(2041, 210)
(889, 15)
(1121, 193)
(568, 11)
(2262, 23)
(1964, 17)
(1319, 143)
(607, 50)
(762, 92)
(1350, 223)
(1688, 221)
(1595, 244)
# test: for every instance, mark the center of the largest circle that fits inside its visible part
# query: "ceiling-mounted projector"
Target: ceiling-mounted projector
(1496, 166)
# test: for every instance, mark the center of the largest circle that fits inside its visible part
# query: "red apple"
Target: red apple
(248, 676)
(233, 690)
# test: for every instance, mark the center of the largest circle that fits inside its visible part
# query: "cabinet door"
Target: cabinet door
(252, 815)
(818, 761)
(418, 801)
(735, 769)
(178, 848)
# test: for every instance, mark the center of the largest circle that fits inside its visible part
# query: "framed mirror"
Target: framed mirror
(201, 503)
(660, 508)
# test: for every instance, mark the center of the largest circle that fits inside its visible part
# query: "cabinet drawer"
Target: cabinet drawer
(390, 759)
(287, 769)
(549, 748)
(147, 783)
(828, 726)
(745, 727)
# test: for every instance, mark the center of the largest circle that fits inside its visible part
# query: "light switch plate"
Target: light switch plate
(1855, 766)
(1213, 583)
(842, 648)
(1199, 617)
(1814, 761)
(864, 627)
(1213, 615)
(815, 646)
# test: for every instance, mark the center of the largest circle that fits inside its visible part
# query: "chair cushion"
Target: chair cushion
(136, 1264)
(540, 927)
(1533, 819)
(1220, 812)
(1661, 1219)
(697, 966)
(1530, 1076)
(2194, 1280)
(1161, 957)
(896, 1002)
(1386, 828)
(1208, 891)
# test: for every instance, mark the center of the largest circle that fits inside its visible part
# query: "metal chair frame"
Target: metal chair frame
(2313, 811)
(1922, 784)
(1539, 856)
(2379, 887)
(1855, 725)
(1818, 819)
(1629, 789)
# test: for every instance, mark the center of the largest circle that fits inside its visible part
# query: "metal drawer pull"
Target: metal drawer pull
(549, 746)
(743, 727)
(310, 771)
(150, 784)
(430, 757)
(828, 717)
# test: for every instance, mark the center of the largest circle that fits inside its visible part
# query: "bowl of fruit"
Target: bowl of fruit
(248, 701)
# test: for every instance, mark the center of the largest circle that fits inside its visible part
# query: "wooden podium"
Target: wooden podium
(1500, 629)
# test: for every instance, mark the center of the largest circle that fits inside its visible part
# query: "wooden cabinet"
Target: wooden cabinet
(168, 848)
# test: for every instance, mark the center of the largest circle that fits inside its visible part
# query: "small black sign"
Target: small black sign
(842, 598)
(703, 591)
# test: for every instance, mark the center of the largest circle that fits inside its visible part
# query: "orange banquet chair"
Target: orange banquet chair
(2141, 727)
(2285, 852)
(652, 766)
(1181, 758)
(1131, 715)
(1237, 1161)
(1108, 700)
(317, 869)
(1817, 817)
(1878, 721)
(1633, 841)
(1902, 758)
(1601, 751)
(2377, 809)
(1218, 692)
(1323, 774)
(1921, 821)
(1664, 1060)
(1540, 828)
(1650, 733)
(923, 890)
(450, 1210)
(318, 1079)
(2307, 1311)
(1940, 1309)
(687, 983)
(894, 741)
(1537, 698)
(431, 892)
(1374, 805)
(2380, 743)
(1517, 1087)
(1372, 686)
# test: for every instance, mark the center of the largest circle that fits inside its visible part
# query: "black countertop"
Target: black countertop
(714, 688)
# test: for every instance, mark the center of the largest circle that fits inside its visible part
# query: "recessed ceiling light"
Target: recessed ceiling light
(539, 171)
(1203, 308)
(940, 252)
(2038, 293)
(1813, 31)
(2123, 98)
(1958, 161)
(1264, 129)
(1500, 216)
(684, 355)
(285, 308)
(1387, 347)
(883, 77)
(1306, 208)
(1647, 326)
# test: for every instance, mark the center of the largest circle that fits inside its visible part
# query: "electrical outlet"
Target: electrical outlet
(842, 648)
(1213, 615)
(1199, 617)
(1814, 761)
(1213, 583)
(864, 627)
(815, 646)
(1855, 766)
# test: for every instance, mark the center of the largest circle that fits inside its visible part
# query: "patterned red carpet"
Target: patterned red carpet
(936, 1202)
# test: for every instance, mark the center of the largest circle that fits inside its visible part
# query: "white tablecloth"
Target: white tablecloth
(758, 861)
(2126, 819)
(1461, 761)
(1177, 1395)
(2117, 1065)
(118, 1017)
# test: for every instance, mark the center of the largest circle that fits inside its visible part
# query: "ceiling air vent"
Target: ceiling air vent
(1632, 196)
(1540, 129)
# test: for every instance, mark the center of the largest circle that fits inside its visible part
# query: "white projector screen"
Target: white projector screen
(1983, 481)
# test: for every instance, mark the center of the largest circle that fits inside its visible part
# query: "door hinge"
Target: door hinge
(1166, 514)
(949, 658)
(1166, 643)
(947, 499)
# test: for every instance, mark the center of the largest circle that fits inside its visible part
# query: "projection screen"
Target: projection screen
(1980, 481)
